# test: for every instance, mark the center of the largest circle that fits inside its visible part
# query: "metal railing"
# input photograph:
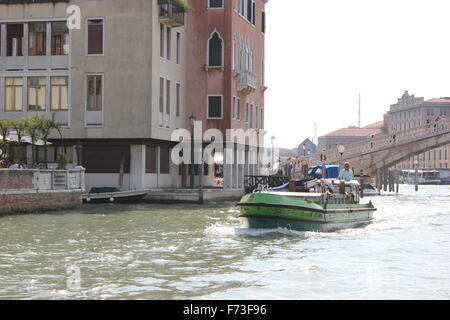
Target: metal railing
(253, 182)
(171, 13)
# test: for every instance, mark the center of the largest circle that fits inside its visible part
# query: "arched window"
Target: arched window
(215, 50)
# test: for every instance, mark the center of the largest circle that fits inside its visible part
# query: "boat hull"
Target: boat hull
(259, 222)
(115, 197)
(272, 211)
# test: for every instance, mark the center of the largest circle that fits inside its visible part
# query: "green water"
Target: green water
(147, 251)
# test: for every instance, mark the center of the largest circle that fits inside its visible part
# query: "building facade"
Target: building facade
(411, 112)
(130, 74)
(306, 147)
(349, 135)
(225, 75)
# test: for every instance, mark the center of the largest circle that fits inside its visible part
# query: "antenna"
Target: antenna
(359, 110)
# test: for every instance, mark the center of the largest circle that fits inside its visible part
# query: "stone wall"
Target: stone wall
(40, 190)
(38, 202)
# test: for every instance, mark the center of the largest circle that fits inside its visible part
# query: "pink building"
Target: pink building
(225, 70)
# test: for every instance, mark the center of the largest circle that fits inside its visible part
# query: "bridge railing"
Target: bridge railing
(371, 145)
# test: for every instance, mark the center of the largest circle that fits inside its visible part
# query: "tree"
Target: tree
(5, 128)
(45, 129)
(19, 126)
(32, 128)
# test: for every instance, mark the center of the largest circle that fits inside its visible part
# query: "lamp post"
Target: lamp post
(272, 140)
(192, 119)
(416, 176)
(341, 150)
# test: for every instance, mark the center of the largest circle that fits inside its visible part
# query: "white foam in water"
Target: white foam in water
(220, 230)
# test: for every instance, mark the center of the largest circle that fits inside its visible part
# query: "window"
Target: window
(261, 112)
(238, 111)
(263, 22)
(95, 36)
(251, 115)
(94, 93)
(178, 47)
(60, 39)
(247, 112)
(215, 3)
(249, 10)
(215, 107)
(14, 40)
(161, 40)
(178, 97)
(37, 35)
(233, 108)
(36, 94)
(161, 100)
(215, 50)
(59, 93)
(13, 94)
(167, 99)
(169, 40)
(254, 13)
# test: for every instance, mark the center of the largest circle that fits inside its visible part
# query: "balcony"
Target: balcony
(246, 82)
(171, 13)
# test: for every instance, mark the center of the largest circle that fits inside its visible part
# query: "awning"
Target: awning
(12, 137)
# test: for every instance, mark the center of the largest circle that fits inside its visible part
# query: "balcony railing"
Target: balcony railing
(171, 13)
(246, 82)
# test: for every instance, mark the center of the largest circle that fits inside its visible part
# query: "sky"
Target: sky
(320, 54)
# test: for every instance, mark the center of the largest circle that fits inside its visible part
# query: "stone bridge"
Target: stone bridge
(381, 152)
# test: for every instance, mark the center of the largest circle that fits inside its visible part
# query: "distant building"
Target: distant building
(309, 148)
(411, 112)
(350, 135)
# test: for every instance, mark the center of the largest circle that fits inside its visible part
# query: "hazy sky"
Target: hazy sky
(321, 53)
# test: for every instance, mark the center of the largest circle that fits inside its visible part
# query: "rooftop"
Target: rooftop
(354, 132)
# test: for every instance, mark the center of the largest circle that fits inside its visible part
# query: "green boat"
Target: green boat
(334, 207)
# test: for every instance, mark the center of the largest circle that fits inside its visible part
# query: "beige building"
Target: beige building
(346, 136)
(410, 112)
(116, 82)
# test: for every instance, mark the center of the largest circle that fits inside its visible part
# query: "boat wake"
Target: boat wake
(227, 231)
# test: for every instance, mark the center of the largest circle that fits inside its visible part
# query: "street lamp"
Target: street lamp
(304, 150)
(341, 150)
(272, 140)
(192, 119)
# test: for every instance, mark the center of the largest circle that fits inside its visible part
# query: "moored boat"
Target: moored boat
(334, 205)
(113, 195)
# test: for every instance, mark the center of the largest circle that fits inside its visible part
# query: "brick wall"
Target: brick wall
(35, 202)
(16, 179)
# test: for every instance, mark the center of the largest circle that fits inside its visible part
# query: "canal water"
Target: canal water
(149, 251)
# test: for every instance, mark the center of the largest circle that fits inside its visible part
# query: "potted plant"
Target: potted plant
(62, 161)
